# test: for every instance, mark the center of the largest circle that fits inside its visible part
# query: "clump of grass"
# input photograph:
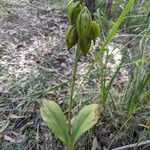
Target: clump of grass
(5, 6)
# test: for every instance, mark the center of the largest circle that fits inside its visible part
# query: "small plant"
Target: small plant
(82, 31)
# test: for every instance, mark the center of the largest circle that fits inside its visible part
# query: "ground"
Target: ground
(36, 65)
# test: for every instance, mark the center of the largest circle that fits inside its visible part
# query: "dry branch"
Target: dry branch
(143, 143)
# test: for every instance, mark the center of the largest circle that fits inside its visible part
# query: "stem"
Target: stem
(70, 145)
(131, 146)
(72, 88)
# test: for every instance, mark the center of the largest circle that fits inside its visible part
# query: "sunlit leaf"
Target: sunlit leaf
(87, 117)
(55, 119)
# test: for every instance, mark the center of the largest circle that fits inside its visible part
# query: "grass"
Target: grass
(4, 7)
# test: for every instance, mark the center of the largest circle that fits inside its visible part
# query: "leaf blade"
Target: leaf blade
(87, 117)
(53, 116)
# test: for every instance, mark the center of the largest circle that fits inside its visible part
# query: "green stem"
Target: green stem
(72, 88)
(70, 145)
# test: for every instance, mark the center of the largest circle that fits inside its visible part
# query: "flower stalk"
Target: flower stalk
(72, 84)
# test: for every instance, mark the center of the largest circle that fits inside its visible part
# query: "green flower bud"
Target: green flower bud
(83, 23)
(71, 36)
(73, 9)
(84, 45)
(95, 31)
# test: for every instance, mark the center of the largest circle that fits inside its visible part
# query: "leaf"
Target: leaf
(15, 138)
(55, 119)
(87, 117)
(95, 144)
(4, 125)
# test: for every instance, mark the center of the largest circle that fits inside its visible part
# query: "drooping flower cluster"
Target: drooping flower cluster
(82, 29)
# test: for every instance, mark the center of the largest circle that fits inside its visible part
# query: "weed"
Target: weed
(88, 116)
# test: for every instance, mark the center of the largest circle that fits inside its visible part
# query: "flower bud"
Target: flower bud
(95, 31)
(83, 23)
(84, 45)
(71, 36)
(73, 9)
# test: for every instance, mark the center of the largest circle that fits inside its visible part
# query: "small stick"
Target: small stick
(122, 127)
(133, 145)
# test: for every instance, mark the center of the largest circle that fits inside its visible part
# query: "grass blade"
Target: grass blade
(109, 37)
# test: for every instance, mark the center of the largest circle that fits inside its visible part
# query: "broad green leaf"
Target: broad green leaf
(53, 116)
(87, 117)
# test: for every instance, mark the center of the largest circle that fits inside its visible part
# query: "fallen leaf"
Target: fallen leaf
(4, 125)
(94, 144)
(13, 116)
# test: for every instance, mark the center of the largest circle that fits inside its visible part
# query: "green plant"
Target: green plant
(69, 132)
(112, 32)
(139, 79)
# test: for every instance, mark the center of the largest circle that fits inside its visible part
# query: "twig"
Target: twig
(133, 145)
(125, 123)
(37, 138)
(142, 134)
